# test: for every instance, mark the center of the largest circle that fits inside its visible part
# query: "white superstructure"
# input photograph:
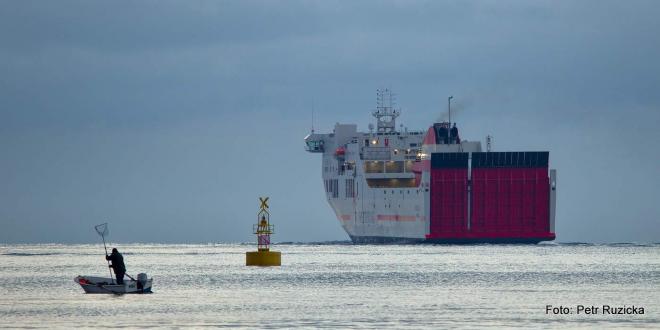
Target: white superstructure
(370, 179)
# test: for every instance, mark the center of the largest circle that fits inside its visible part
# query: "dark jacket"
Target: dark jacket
(117, 262)
(453, 132)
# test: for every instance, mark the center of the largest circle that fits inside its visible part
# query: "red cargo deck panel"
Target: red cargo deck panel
(509, 200)
(449, 204)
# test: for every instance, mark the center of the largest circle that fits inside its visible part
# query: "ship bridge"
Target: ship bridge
(314, 142)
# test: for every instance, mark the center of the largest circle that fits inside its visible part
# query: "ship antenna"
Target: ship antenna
(449, 108)
(385, 112)
(312, 116)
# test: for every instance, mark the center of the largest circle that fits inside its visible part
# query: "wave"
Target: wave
(635, 244)
(140, 248)
(570, 243)
(25, 254)
(346, 242)
(614, 244)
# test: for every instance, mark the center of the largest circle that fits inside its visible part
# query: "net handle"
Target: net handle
(102, 233)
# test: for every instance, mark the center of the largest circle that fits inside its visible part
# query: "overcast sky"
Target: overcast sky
(169, 119)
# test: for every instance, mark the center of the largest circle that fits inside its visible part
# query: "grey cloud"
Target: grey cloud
(169, 118)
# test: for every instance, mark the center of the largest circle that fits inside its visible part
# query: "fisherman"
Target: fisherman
(117, 265)
(453, 135)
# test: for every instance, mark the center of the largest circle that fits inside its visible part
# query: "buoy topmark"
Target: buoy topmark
(263, 229)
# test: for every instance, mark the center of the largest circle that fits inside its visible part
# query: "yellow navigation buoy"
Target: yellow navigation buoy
(263, 229)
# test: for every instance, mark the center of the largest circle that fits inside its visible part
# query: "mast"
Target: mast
(385, 113)
(449, 108)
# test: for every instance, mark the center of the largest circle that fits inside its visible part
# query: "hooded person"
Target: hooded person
(453, 135)
(117, 265)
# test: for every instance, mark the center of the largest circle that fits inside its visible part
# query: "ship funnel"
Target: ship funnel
(446, 134)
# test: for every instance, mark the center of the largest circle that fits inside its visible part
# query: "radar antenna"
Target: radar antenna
(385, 113)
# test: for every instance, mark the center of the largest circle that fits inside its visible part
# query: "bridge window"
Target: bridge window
(373, 167)
(391, 183)
(408, 166)
(393, 166)
(315, 145)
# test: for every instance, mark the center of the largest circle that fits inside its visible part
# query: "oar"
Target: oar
(102, 287)
(106, 289)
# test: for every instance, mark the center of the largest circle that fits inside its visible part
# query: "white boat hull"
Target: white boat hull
(92, 284)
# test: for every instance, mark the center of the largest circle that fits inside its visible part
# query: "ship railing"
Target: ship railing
(376, 153)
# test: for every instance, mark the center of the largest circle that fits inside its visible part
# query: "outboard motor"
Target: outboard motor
(141, 280)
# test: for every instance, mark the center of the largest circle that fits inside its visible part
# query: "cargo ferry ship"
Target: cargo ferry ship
(431, 186)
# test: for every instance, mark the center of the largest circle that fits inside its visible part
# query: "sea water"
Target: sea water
(337, 285)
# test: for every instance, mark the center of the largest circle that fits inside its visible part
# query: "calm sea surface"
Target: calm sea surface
(335, 285)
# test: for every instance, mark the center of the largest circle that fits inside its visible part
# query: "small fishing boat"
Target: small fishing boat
(95, 284)
(92, 284)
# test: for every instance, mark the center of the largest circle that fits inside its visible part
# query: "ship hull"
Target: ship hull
(465, 240)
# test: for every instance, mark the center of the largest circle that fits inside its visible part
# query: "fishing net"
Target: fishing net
(102, 229)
